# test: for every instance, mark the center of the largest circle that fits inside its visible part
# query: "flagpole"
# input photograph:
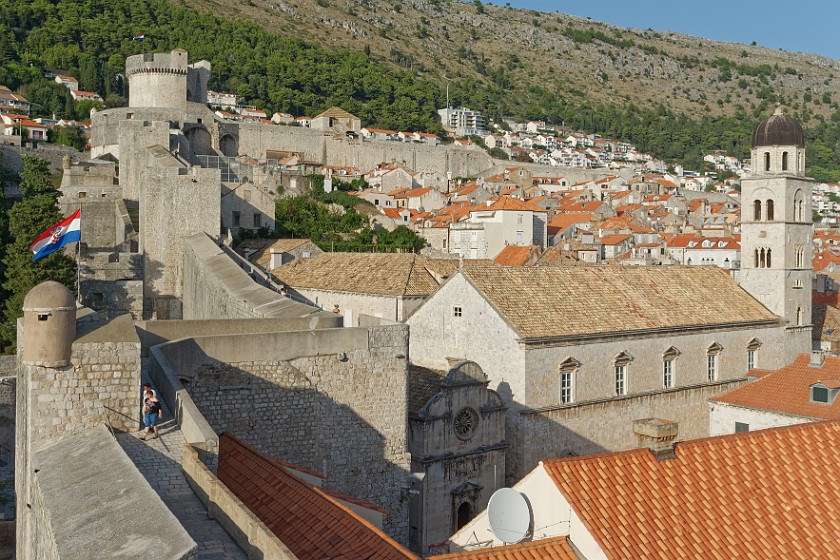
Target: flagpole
(79, 260)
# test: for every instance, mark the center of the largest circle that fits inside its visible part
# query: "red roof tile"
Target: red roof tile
(787, 390)
(556, 548)
(308, 521)
(762, 494)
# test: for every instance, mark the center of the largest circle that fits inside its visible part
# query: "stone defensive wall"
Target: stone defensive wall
(216, 287)
(7, 409)
(331, 149)
(547, 432)
(331, 400)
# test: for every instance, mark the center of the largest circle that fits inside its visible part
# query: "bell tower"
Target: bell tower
(777, 228)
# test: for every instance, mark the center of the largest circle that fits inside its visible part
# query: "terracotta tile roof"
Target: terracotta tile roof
(336, 113)
(413, 192)
(508, 203)
(515, 255)
(787, 390)
(684, 240)
(566, 219)
(386, 274)
(826, 320)
(614, 239)
(306, 519)
(759, 495)
(555, 548)
(262, 256)
(423, 384)
(616, 299)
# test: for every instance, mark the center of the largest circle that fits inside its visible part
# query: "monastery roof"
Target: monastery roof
(826, 319)
(546, 302)
(684, 240)
(515, 255)
(763, 494)
(787, 390)
(555, 548)
(336, 113)
(385, 274)
(306, 519)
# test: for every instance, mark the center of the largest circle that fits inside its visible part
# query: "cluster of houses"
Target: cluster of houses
(17, 126)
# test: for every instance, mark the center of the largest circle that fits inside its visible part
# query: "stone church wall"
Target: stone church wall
(331, 400)
(575, 429)
(7, 410)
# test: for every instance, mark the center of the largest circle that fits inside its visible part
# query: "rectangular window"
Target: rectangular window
(668, 373)
(566, 386)
(247, 195)
(621, 380)
(519, 218)
(257, 220)
(711, 366)
(236, 219)
(740, 427)
(457, 311)
(750, 359)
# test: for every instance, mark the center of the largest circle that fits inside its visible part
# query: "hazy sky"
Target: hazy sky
(803, 26)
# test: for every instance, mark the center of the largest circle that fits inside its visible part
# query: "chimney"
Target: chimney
(276, 258)
(817, 360)
(658, 435)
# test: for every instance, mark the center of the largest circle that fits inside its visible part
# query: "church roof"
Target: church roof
(779, 130)
(763, 494)
(423, 384)
(549, 302)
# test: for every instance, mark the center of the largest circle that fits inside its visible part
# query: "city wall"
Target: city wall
(331, 400)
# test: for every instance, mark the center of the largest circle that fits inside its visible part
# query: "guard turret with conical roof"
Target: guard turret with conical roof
(778, 146)
(49, 325)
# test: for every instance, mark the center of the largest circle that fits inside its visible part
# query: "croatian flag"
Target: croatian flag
(68, 230)
(139, 37)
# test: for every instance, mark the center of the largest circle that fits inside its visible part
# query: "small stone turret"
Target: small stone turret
(49, 325)
(157, 80)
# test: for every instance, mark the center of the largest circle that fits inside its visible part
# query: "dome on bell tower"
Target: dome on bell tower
(779, 130)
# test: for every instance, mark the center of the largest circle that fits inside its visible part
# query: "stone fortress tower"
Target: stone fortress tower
(777, 227)
(165, 80)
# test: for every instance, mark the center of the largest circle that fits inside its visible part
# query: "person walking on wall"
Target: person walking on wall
(152, 412)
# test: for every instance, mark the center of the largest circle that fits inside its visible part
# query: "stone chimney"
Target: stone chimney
(817, 359)
(658, 435)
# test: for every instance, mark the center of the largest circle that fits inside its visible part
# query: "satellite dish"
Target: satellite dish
(509, 515)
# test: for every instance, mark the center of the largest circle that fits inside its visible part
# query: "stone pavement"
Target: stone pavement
(159, 460)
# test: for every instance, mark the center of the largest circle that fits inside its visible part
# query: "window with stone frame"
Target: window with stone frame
(712, 361)
(752, 353)
(669, 363)
(622, 365)
(568, 369)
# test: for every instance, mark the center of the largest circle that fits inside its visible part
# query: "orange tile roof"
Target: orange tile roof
(507, 203)
(787, 390)
(614, 239)
(555, 548)
(565, 220)
(514, 255)
(310, 523)
(763, 494)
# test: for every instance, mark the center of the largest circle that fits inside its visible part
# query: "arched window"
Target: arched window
(784, 161)
(769, 264)
(769, 209)
(757, 210)
(762, 259)
(766, 161)
(799, 315)
(756, 265)
(752, 353)
(669, 358)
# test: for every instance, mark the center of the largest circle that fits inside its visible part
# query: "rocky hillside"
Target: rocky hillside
(530, 56)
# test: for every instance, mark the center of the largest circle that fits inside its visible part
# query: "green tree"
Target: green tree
(72, 136)
(27, 220)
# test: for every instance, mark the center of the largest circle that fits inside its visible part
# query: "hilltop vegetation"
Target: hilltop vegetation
(388, 61)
